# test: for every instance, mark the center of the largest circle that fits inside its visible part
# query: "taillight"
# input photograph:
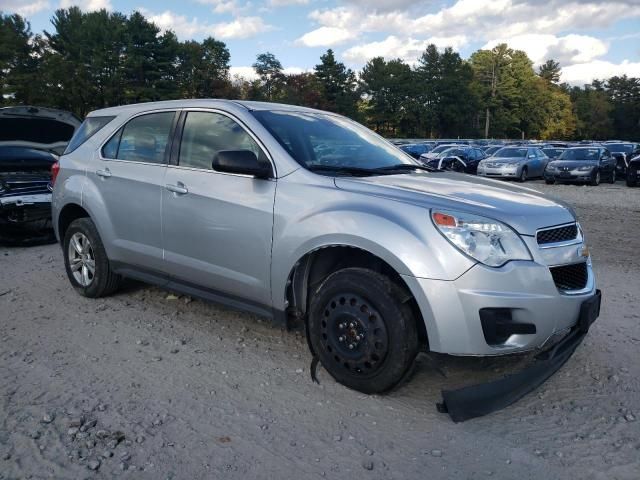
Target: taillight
(55, 170)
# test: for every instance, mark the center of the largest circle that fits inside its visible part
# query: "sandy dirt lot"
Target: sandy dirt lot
(145, 384)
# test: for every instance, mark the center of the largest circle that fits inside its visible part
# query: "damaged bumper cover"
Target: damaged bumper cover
(478, 400)
(19, 209)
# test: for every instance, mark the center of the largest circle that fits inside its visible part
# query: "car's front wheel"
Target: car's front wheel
(362, 329)
(86, 260)
(523, 175)
(549, 181)
(595, 178)
(612, 178)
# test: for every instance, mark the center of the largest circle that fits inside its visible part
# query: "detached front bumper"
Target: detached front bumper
(477, 400)
(521, 298)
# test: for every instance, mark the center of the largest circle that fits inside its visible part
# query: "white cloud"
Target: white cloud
(409, 49)
(185, 28)
(24, 7)
(225, 6)
(87, 5)
(583, 73)
(286, 3)
(567, 50)
(325, 37)
(248, 73)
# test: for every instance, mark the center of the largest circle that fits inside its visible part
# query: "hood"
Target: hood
(570, 164)
(524, 209)
(37, 127)
(21, 159)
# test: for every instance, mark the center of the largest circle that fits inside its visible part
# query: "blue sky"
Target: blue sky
(591, 39)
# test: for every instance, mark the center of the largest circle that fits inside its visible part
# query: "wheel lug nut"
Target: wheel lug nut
(352, 325)
(342, 326)
(351, 346)
(358, 337)
(342, 338)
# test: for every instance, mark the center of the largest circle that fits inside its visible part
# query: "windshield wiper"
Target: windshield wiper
(342, 169)
(407, 166)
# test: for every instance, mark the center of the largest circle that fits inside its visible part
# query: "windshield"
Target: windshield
(511, 153)
(620, 147)
(440, 149)
(590, 154)
(323, 140)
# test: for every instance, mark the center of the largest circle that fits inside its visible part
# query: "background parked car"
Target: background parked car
(461, 158)
(417, 149)
(633, 171)
(553, 152)
(623, 152)
(31, 139)
(436, 151)
(519, 163)
(582, 164)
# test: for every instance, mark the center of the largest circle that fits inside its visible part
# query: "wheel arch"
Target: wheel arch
(69, 213)
(316, 265)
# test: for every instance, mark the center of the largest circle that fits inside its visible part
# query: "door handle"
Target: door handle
(180, 189)
(106, 173)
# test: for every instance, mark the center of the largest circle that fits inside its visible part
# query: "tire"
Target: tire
(612, 177)
(549, 182)
(523, 175)
(595, 179)
(362, 308)
(87, 250)
(632, 176)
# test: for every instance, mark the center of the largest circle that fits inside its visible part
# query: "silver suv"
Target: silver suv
(293, 213)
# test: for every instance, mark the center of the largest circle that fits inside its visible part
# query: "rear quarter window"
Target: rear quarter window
(89, 127)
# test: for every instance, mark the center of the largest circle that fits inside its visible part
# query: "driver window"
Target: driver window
(207, 133)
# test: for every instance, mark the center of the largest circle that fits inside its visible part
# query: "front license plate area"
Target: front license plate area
(589, 311)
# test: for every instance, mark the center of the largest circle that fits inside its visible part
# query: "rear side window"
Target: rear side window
(142, 139)
(89, 127)
(206, 133)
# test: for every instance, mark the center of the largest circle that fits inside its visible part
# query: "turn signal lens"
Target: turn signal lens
(444, 220)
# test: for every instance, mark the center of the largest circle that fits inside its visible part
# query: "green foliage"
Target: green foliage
(97, 59)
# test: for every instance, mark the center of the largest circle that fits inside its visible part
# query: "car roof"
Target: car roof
(202, 103)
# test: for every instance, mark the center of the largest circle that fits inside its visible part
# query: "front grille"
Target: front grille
(556, 235)
(26, 186)
(570, 277)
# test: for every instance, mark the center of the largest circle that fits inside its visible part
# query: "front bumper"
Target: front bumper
(499, 172)
(23, 209)
(526, 289)
(477, 400)
(570, 176)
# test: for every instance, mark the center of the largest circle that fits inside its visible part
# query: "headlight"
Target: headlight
(483, 239)
(585, 168)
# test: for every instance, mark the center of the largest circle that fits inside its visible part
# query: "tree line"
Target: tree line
(92, 60)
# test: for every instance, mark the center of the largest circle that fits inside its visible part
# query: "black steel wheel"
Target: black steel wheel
(362, 331)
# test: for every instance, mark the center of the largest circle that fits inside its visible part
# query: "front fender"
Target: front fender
(399, 233)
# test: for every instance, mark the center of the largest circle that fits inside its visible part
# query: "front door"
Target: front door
(217, 227)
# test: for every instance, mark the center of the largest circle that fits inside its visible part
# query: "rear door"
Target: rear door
(217, 226)
(129, 176)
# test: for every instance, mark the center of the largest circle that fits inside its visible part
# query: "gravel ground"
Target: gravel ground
(146, 384)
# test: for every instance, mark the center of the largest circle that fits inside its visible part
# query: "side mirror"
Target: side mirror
(243, 162)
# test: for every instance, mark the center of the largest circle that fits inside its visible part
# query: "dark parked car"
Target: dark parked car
(31, 139)
(553, 152)
(416, 149)
(461, 158)
(582, 165)
(623, 152)
(633, 171)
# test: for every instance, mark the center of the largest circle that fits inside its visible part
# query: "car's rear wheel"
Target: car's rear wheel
(595, 178)
(549, 181)
(86, 260)
(362, 330)
(632, 177)
(523, 175)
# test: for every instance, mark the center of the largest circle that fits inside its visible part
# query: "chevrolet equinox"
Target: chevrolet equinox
(294, 213)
